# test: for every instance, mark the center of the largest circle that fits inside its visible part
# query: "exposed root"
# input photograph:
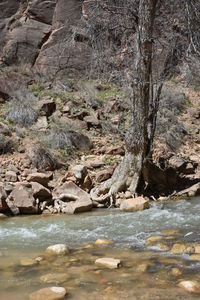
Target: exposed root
(125, 177)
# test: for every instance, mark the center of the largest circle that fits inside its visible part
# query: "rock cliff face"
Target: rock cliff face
(43, 34)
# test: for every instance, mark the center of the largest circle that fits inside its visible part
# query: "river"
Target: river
(146, 272)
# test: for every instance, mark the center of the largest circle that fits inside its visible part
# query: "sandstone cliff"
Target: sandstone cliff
(42, 34)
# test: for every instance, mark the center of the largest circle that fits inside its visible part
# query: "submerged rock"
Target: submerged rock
(107, 262)
(54, 278)
(134, 204)
(190, 286)
(176, 272)
(152, 240)
(58, 249)
(28, 262)
(50, 293)
(182, 248)
(195, 257)
(170, 231)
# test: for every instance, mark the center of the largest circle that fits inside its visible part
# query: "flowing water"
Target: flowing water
(146, 272)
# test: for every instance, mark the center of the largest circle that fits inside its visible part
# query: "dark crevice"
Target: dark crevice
(44, 40)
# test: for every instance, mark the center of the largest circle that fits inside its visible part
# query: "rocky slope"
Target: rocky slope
(60, 136)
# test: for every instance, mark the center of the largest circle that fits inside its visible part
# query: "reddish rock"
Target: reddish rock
(21, 200)
(42, 178)
(104, 175)
(40, 192)
(77, 199)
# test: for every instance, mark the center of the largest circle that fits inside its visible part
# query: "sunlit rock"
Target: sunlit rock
(58, 249)
(134, 204)
(50, 293)
(170, 231)
(195, 257)
(102, 242)
(182, 248)
(152, 240)
(176, 272)
(107, 262)
(197, 249)
(190, 286)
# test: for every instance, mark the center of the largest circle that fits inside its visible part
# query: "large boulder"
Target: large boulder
(76, 199)
(21, 200)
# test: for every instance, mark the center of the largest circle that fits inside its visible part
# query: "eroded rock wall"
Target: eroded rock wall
(41, 34)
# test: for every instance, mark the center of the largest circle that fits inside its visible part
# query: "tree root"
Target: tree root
(125, 177)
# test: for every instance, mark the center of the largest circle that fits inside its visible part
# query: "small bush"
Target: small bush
(21, 110)
(42, 159)
(59, 138)
(6, 145)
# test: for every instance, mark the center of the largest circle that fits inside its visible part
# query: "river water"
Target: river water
(146, 272)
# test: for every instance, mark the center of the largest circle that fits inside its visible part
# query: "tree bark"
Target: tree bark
(139, 139)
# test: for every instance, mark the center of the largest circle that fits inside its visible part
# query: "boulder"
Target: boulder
(107, 262)
(49, 293)
(77, 199)
(42, 178)
(21, 200)
(81, 141)
(40, 192)
(190, 286)
(134, 204)
(58, 249)
(11, 176)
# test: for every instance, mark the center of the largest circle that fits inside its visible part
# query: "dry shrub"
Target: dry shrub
(43, 159)
(6, 145)
(21, 110)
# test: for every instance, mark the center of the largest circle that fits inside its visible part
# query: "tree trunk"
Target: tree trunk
(139, 138)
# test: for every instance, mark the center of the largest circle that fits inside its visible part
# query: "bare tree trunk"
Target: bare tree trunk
(139, 136)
